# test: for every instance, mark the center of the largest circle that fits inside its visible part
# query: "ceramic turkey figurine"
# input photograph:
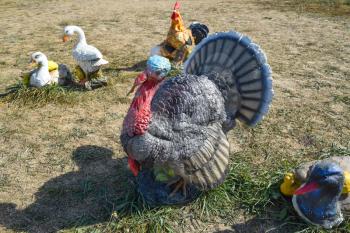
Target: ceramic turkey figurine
(89, 60)
(46, 72)
(180, 40)
(175, 130)
(321, 191)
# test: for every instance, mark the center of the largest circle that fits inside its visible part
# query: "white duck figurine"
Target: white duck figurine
(40, 76)
(89, 58)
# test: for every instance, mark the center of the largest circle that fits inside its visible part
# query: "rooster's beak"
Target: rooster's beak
(65, 38)
(307, 188)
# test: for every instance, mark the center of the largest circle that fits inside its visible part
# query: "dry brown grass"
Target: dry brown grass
(45, 187)
(323, 7)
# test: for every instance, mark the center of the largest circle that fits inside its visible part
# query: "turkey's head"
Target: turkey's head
(157, 68)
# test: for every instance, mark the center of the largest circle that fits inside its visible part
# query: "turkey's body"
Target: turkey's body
(184, 132)
(184, 120)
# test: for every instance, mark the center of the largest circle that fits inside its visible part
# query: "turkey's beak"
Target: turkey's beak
(132, 89)
(141, 78)
(307, 188)
(65, 38)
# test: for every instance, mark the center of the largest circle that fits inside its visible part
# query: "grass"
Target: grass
(35, 97)
(324, 7)
(44, 185)
(255, 191)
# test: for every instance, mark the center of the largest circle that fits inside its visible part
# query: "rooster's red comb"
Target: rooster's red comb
(177, 6)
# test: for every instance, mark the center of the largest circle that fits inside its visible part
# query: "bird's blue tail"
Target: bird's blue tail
(239, 69)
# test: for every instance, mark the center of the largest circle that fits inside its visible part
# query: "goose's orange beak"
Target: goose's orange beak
(307, 188)
(65, 38)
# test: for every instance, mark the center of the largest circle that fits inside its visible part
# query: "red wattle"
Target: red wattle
(174, 15)
(134, 166)
(141, 78)
(139, 115)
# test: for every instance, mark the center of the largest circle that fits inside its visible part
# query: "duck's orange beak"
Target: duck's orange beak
(307, 188)
(65, 38)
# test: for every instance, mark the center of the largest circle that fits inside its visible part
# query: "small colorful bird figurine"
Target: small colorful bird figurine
(180, 40)
(324, 192)
(46, 72)
(89, 59)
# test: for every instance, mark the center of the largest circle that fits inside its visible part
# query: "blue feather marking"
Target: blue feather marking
(266, 96)
(320, 211)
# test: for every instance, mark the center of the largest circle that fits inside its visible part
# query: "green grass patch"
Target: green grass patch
(249, 189)
(27, 96)
(4, 181)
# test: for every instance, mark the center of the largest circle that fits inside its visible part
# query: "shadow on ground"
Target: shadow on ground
(139, 66)
(83, 197)
(264, 225)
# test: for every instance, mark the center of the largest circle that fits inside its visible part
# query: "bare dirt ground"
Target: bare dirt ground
(46, 186)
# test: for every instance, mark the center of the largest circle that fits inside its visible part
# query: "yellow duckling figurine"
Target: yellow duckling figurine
(346, 189)
(289, 185)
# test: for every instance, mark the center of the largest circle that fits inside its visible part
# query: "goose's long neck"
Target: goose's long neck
(81, 34)
(44, 65)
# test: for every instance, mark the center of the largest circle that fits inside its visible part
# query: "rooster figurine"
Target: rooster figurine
(175, 130)
(180, 40)
(320, 190)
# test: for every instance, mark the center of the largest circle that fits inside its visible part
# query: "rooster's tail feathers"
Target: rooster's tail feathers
(199, 31)
(239, 69)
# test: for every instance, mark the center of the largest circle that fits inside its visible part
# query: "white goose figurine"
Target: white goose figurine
(40, 76)
(89, 58)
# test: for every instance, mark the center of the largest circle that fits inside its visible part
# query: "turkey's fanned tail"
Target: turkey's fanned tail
(240, 70)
